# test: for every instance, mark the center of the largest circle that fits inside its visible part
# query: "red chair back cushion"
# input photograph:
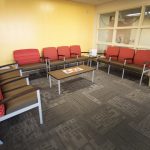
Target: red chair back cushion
(27, 56)
(142, 56)
(112, 50)
(75, 49)
(64, 50)
(126, 53)
(2, 106)
(50, 52)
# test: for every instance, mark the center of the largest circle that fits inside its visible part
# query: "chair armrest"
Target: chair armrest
(16, 79)
(8, 71)
(62, 56)
(110, 56)
(5, 100)
(8, 65)
(85, 52)
(45, 58)
(128, 58)
(73, 53)
(147, 63)
(113, 55)
(101, 53)
(125, 60)
(42, 59)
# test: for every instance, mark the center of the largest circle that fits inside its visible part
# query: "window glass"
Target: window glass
(107, 20)
(126, 36)
(101, 48)
(147, 16)
(144, 38)
(129, 17)
(105, 35)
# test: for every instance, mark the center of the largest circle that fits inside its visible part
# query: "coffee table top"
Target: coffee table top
(71, 71)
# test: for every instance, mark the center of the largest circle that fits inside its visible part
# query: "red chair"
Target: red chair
(64, 54)
(75, 51)
(2, 107)
(29, 59)
(111, 53)
(126, 55)
(51, 55)
(141, 63)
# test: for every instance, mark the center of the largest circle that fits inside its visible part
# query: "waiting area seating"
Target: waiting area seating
(29, 59)
(63, 55)
(17, 95)
(75, 51)
(50, 54)
(127, 59)
(9, 71)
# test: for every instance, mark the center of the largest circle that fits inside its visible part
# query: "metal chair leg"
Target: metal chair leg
(40, 107)
(123, 73)
(141, 78)
(142, 74)
(97, 66)
(109, 65)
(108, 69)
(1, 142)
(88, 63)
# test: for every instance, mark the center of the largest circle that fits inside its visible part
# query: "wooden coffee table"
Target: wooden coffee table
(69, 72)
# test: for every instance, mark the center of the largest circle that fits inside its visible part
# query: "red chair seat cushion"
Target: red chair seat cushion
(27, 56)
(142, 56)
(63, 50)
(50, 52)
(2, 106)
(112, 51)
(75, 49)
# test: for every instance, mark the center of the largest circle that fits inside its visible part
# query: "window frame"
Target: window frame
(139, 27)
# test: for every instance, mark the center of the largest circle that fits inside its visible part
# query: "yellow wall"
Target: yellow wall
(42, 23)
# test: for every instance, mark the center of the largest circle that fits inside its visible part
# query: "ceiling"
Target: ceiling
(94, 2)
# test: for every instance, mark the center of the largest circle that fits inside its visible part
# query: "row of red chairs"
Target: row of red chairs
(127, 59)
(29, 59)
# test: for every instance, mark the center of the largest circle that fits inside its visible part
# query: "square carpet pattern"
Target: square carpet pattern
(109, 114)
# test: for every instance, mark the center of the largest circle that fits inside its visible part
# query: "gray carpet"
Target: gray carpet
(111, 114)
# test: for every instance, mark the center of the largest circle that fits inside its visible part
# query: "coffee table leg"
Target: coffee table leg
(50, 81)
(93, 76)
(59, 87)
